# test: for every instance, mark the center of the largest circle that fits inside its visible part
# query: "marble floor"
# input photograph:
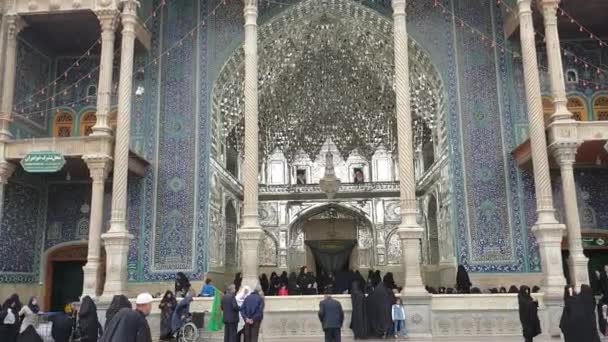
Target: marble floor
(441, 339)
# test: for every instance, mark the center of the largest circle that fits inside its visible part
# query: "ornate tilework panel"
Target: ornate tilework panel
(591, 187)
(19, 234)
(68, 212)
(529, 205)
(134, 203)
(490, 239)
(175, 214)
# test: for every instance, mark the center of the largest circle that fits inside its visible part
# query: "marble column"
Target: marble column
(99, 167)
(6, 170)
(554, 57)
(118, 237)
(565, 155)
(14, 25)
(409, 230)
(108, 20)
(547, 230)
(2, 48)
(564, 151)
(250, 232)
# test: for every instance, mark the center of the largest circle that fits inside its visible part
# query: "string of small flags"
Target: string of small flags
(153, 61)
(492, 43)
(49, 87)
(567, 53)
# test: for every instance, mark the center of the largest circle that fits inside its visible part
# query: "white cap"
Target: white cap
(144, 298)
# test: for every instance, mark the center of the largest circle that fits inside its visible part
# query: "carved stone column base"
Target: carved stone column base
(117, 251)
(410, 250)
(91, 278)
(549, 237)
(250, 242)
(577, 266)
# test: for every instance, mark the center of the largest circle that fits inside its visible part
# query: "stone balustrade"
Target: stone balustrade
(451, 315)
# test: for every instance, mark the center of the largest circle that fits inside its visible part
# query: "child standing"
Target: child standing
(398, 313)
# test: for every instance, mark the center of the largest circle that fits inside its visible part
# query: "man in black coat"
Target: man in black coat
(131, 325)
(231, 315)
(332, 317)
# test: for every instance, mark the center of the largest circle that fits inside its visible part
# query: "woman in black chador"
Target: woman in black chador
(90, 329)
(528, 314)
(9, 319)
(167, 307)
(283, 280)
(238, 280)
(264, 283)
(602, 315)
(463, 283)
(275, 284)
(302, 278)
(358, 323)
(182, 285)
(581, 319)
(292, 285)
(118, 302)
(566, 312)
(378, 307)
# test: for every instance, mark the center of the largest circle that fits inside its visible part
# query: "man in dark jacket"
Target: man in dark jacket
(131, 326)
(332, 317)
(253, 313)
(231, 315)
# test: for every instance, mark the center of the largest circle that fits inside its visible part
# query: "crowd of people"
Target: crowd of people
(78, 321)
(377, 312)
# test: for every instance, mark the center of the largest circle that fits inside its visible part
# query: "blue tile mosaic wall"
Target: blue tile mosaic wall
(68, 212)
(493, 201)
(592, 195)
(20, 233)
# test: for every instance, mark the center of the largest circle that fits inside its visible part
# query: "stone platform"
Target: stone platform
(431, 318)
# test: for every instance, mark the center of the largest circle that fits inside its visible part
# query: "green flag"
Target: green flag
(216, 321)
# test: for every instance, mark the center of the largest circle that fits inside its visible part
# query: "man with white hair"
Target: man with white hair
(131, 325)
(253, 313)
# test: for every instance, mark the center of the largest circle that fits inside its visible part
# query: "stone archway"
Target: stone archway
(349, 217)
(67, 256)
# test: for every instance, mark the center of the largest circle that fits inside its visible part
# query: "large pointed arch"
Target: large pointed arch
(299, 108)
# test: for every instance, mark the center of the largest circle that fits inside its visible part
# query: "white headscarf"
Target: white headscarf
(244, 291)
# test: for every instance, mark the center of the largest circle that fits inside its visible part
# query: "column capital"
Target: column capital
(15, 24)
(129, 15)
(525, 6)
(6, 170)
(549, 3)
(129, 6)
(108, 19)
(398, 6)
(564, 152)
(99, 166)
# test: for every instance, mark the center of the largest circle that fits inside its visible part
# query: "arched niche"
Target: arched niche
(362, 256)
(63, 124)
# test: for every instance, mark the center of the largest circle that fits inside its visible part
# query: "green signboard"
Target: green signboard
(594, 242)
(43, 162)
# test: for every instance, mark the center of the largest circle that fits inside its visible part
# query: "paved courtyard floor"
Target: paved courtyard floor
(442, 339)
